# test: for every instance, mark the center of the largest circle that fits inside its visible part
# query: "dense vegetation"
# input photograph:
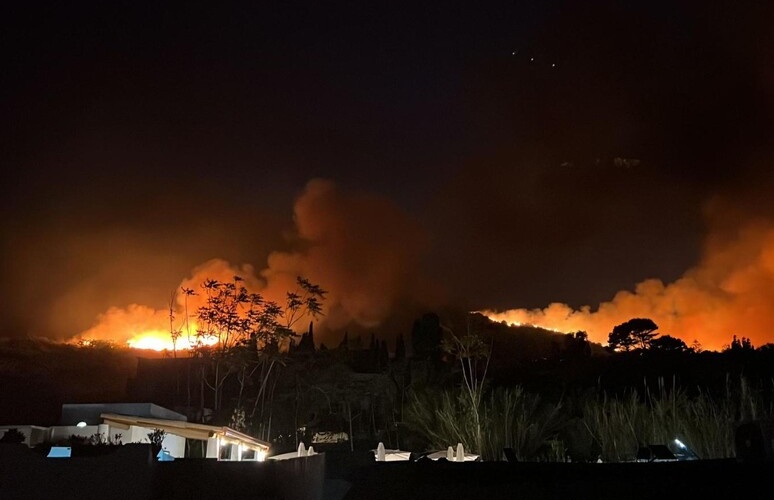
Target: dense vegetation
(546, 395)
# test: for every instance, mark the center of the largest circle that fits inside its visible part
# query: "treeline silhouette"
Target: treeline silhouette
(363, 390)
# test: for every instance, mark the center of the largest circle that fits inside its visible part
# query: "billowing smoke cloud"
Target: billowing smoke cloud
(120, 324)
(728, 293)
(367, 254)
(146, 326)
(361, 249)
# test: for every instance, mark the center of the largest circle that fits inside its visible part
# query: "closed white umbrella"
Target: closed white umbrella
(460, 457)
(443, 454)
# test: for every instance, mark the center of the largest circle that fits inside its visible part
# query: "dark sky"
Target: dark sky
(141, 139)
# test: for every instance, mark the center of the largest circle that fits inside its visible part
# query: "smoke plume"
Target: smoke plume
(361, 249)
(728, 293)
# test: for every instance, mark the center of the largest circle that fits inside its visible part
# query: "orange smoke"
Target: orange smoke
(141, 327)
(136, 326)
(362, 250)
(730, 292)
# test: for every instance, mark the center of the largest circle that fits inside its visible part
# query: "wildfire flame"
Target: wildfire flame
(157, 340)
(728, 293)
(365, 272)
(162, 341)
(142, 327)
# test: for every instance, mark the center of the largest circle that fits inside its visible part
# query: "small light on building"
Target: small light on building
(81, 424)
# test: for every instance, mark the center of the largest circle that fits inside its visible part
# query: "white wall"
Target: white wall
(33, 434)
(62, 432)
(174, 444)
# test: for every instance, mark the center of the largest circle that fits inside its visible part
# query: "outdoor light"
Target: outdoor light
(81, 424)
(691, 454)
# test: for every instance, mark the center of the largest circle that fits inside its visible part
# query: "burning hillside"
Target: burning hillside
(354, 246)
(366, 253)
(728, 293)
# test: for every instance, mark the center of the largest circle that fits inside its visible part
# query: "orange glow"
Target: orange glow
(152, 340)
(155, 340)
(728, 293)
(365, 272)
(162, 341)
(140, 327)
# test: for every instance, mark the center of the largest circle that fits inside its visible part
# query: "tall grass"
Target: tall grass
(524, 422)
(612, 428)
(509, 417)
(704, 422)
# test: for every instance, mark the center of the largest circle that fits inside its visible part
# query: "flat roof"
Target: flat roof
(185, 429)
(72, 413)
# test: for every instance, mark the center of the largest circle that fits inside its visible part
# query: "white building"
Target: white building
(133, 422)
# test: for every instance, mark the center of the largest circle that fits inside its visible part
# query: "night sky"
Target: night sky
(489, 154)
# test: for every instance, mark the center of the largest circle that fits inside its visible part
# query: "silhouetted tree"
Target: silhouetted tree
(384, 355)
(400, 348)
(669, 343)
(12, 436)
(474, 355)
(306, 344)
(576, 345)
(769, 347)
(248, 330)
(156, 437)
(741, 345)
(637, 333)
(426, 336)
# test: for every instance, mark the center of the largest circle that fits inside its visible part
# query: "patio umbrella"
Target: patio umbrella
(460, 457)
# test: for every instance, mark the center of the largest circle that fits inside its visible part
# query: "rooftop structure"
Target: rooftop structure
(121, 423)
(91, 412)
